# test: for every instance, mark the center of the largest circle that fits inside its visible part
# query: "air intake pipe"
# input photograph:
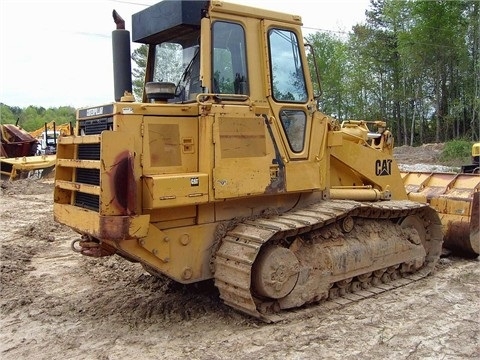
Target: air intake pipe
(122, 66)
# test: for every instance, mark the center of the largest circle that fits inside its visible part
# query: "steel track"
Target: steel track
(240, 246)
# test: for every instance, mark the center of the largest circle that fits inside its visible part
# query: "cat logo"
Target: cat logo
(95, 111)
(194, 181)
(383, 167)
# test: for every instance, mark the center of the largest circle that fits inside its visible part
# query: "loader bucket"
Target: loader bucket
(456, 198)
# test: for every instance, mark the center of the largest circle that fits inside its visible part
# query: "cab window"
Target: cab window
(229, 59)
(294, 123)
(288, 79)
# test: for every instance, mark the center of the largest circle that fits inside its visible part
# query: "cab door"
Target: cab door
(290, 95)
(245, 160)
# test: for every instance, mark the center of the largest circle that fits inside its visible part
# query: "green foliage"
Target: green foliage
(32, 117)
(139, 56)
(225, 86)
(332, 57)
(7, 116)
(460, 150)
(414, 64)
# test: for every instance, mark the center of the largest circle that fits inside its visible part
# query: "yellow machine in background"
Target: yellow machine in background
(227, 170)
(474, 167)
(48, 135)
(61, 129)
(26, 154)
(476, 154)
(17, 157)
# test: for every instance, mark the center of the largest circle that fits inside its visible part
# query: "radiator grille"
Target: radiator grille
(87, 201)
(88, 176)
(95, 126)
(90, 152)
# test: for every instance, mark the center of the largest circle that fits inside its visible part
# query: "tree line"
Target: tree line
(32, 118)
(415, 64)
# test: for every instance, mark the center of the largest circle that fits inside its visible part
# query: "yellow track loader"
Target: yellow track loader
(227, 170)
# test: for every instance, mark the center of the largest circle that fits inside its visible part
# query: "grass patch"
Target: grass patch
(457, 152)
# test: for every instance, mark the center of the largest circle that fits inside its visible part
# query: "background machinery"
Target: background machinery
(18, 154)
(24, 154)
(474, 167)
(48, 135)
(227, 170)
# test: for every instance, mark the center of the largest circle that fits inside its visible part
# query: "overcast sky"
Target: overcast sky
(59, 53)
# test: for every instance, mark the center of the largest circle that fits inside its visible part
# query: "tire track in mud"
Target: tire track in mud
(56, 304)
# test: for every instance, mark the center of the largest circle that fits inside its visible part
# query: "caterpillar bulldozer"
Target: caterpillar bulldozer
(227, 170)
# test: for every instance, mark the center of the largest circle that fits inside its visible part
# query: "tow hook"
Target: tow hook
(89, 246)
(74, 247)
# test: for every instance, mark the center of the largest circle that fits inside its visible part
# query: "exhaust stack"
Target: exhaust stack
(122, 67)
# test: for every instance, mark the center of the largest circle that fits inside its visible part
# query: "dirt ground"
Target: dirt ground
(56, 304)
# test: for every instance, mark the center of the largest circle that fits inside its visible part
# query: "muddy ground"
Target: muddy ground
(56, 304)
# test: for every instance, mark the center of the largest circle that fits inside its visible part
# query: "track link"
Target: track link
(345, 299)
(240, 247)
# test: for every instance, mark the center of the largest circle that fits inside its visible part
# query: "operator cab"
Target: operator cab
(175, 72)
(173, 66)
